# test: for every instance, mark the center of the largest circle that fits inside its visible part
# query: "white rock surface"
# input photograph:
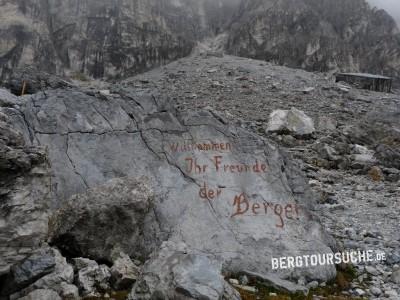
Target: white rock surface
(293, 121)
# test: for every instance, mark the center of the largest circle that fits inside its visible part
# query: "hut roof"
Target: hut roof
(365, 75)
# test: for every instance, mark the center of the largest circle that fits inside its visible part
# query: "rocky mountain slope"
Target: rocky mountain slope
(170, 181)
(184, 182)
(355, 132)
(317, 35)
(390, 6)
(103, 38)
(117, 39)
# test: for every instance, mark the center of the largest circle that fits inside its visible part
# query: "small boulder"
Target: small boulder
(376, 174)
(69, 291)
(308, 90)
(61, 274)
(39, 264)
(271, 280)
(361, 161)
(358, 149)
(371, 270)
(312, 285)
(326, 151)
(41, 295)
(392, 294)
(7, 99)
(230, 293)
(105, 92)
(395, 277)
(123, 272)
(293, 121)
(92, 224)
(234, 281)
(91, 278)
(359, 292)
(375, 291)
(389, 156)
(82, 263)
(177, 273)
(246, 288)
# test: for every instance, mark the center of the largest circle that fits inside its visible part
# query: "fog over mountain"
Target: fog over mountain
(391, 6)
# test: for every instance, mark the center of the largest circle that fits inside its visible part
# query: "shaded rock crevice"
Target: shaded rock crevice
(72, 162)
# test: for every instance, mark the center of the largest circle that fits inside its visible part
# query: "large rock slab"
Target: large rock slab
(222, 190)
(45, 269)
(28, 271)
(194, 276)
(25, 187)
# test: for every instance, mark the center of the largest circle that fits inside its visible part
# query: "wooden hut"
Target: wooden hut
(367, 81)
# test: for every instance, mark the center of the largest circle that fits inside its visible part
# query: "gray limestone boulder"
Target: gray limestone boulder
(25, 188)
(360, 161)
(46, 269)
(379, 130)
(7, 99)
(175, 272)
(91, 278)
(124, 272)
(69, 291)
(41, 295)
(28, 271)
(224, 191)
(109, 217)
(388, 155)
(395, 277)
(292, 121)
(61, 275)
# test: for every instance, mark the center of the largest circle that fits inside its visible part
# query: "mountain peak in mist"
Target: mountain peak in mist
(391, 6)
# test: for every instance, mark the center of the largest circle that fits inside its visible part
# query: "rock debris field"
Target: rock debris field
(355, 130)
(184, 182)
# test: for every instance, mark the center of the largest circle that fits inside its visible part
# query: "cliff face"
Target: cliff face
(101, 38)
(119, 38)
(319, 35)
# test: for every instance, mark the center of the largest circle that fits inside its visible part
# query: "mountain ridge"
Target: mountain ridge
(318, 35)
(118, 39)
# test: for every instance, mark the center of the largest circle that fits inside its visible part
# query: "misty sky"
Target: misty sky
(391, 6)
